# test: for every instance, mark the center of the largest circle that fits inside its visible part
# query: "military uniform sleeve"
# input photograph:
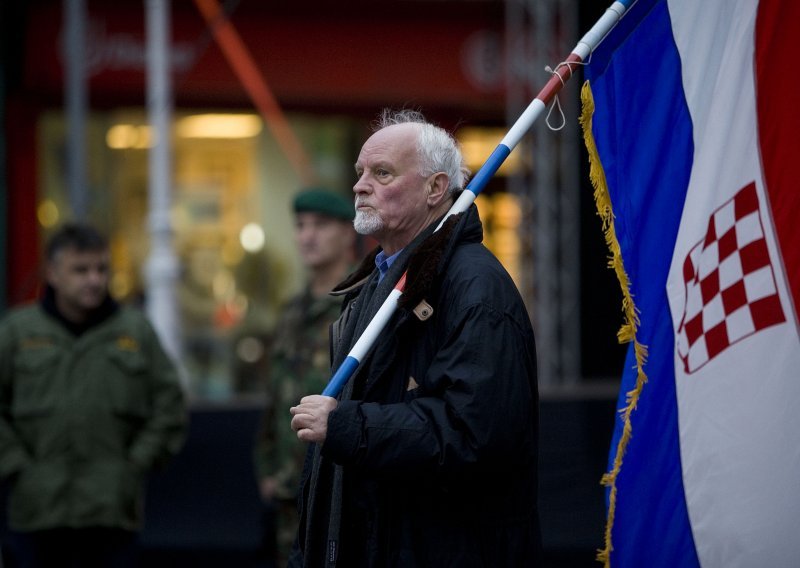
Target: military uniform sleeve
(13, 456)
(264, 447)
(163, 433)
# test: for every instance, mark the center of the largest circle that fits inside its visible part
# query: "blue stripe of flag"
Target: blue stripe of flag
(643, 132)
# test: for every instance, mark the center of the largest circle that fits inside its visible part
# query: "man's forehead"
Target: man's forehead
(75, 254)
(390, 142)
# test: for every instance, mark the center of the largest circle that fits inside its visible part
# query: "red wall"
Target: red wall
(22, 236)
(305, 58)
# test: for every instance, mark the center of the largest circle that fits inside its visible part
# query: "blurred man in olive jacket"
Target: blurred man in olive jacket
(89, 403)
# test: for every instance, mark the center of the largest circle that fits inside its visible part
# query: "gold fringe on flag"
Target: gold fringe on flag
(627, 332)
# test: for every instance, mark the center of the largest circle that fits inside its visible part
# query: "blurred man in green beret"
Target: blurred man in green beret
(300, 359)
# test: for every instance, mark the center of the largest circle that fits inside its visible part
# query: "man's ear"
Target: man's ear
(437, 188)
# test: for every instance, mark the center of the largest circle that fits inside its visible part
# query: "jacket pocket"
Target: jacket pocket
(127, 383)
(35, 371)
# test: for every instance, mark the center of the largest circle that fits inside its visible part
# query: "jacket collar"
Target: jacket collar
(98, 316)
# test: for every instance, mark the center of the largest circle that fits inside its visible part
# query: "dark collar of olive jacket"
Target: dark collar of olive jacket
(96, 317)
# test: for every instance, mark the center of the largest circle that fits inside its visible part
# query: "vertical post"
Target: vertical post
(568, 166)
(76, 102)
(545, 203)
(4, 224)
(162, 266)
(538, 33)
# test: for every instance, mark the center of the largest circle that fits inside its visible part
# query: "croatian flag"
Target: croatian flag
(696, 127)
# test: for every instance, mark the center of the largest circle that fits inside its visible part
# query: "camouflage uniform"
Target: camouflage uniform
(300, 366)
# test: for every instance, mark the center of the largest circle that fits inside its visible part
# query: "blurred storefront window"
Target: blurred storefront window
(232, 191)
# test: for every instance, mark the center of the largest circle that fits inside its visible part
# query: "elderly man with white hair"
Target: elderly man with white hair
(428, 457)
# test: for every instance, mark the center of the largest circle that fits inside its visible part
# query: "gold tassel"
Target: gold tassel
(627, 332)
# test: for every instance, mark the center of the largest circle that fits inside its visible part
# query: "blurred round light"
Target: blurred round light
(47, 213)
(252, 237)
(249, 349)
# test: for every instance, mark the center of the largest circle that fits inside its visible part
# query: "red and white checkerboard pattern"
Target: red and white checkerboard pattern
(730, 284)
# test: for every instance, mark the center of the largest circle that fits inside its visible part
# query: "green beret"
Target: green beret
(324, 202)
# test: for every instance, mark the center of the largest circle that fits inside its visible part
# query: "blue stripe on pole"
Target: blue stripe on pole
(346, 369)
(626, 3)
(489, 168)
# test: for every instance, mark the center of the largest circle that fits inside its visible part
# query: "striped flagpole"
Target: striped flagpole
(561, 74)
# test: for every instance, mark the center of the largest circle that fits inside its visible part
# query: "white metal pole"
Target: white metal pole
(161, 272)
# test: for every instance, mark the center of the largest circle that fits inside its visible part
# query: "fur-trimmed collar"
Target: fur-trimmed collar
(359, 276)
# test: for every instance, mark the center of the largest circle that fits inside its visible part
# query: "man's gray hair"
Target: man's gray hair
(438, 150)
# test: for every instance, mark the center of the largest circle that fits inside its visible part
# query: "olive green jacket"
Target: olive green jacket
(300, 365)
(82, 419)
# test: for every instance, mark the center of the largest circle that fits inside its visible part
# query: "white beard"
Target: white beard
(367, 222)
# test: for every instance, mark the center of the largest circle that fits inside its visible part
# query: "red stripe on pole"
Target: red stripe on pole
(560, 76)
(777, 28)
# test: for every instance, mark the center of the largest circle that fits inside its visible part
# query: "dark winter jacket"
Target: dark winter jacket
(430, 457)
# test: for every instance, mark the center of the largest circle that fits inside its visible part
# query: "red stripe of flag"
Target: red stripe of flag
(777, 95)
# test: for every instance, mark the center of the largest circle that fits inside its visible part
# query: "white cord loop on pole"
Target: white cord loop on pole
(556, 102)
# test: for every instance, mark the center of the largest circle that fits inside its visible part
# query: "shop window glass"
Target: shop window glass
(232, 192)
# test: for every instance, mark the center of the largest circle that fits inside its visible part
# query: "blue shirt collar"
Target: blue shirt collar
(383, 262)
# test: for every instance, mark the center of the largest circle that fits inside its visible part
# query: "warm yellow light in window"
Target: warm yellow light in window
(121, 285)
(484, 205)
(231, 253)
(223, 285)
(129, 136)
(219, 126)
(507, 211)
(506, 243)
(252, 237)
(477, 144)
(47, 213)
